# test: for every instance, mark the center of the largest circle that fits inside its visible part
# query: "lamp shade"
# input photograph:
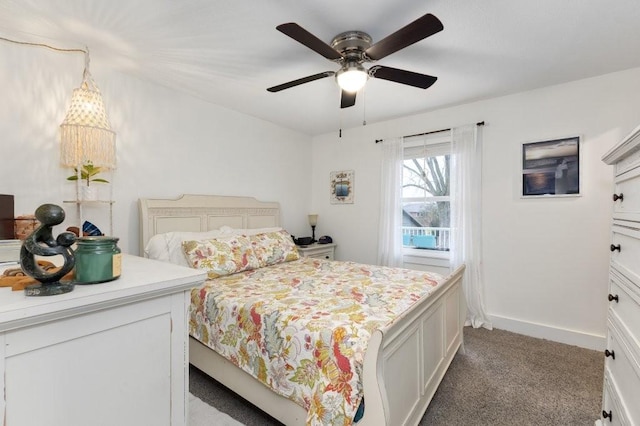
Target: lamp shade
(313, 219)
(85, 133)
(352, 78)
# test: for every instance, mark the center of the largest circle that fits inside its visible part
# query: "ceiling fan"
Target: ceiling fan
(353, 48)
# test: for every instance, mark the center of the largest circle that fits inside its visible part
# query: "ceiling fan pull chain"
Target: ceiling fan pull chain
(364, 106)
(340, 114)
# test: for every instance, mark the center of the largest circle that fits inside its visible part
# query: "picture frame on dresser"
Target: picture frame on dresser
(551, 168)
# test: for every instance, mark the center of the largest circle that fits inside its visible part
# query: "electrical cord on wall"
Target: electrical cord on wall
(26, 43)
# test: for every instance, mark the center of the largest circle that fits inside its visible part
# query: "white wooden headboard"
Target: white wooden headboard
(204, 213)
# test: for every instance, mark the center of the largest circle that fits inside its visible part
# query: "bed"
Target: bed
(402, 363)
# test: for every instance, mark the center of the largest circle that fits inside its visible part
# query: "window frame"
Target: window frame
(435, 144)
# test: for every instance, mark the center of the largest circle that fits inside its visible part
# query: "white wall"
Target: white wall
(168, 144)
(545, 260)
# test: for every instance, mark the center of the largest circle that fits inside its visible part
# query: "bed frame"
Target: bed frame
(403, 365)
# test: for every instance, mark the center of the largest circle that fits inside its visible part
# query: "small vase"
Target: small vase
(89, 193)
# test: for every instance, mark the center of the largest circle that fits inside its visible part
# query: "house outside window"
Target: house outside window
(426, 207)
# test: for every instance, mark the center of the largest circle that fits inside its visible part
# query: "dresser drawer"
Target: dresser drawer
(625, 248)
(624, 304)
(624, 372)
(611, 408)
(626, 198)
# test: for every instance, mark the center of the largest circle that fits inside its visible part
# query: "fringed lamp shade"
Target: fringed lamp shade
(85, 133)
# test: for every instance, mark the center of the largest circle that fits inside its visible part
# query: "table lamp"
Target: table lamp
(313, 221)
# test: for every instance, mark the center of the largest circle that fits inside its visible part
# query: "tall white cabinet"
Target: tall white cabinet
(621, 393)
(114, 353)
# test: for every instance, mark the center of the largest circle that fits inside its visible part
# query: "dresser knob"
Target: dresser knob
(615, 247)
(608, 353)
(326, 257)
(611, 298)
(617, 197)
(607, 414)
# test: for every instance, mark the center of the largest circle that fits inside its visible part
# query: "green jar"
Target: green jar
(98, 260)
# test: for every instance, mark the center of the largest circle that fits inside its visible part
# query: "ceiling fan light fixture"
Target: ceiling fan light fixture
(352, 78)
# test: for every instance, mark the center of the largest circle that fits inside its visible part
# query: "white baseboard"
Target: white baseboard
(570, 337)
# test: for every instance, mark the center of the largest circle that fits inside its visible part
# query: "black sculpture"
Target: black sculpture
(42, 243)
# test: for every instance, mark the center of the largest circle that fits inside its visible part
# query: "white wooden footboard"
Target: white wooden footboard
(405, 364)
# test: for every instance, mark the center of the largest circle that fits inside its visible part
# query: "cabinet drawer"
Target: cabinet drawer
(624, 373)
(611, 406)
(328, 255)
(627, 185)
(625, 245)
(624, 303)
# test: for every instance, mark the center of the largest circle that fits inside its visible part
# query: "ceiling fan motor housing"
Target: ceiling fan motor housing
(352, 44)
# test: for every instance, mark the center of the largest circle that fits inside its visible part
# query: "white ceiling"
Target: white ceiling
(229, 52)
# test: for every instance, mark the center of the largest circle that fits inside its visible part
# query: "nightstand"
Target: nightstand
(319, 251)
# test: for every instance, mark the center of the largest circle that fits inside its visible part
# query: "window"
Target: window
(426, 208)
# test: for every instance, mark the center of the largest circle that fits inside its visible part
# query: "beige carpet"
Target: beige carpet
(503, 379)
(202, 414)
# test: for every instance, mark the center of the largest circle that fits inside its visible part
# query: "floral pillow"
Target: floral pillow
(274, 247)
(221, 256)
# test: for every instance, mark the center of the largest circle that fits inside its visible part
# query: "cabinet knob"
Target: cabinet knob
(615, 247)
(607, 414)
(326, 257)
(617, 197)
(608, 353)
(611, 298)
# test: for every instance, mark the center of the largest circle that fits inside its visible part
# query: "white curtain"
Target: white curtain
(390, 238)
(466, 218)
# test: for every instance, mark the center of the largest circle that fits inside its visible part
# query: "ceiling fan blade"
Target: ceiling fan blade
(419, 29)
(410, 78)
(348, 99)
(300, 81)
(303, 36)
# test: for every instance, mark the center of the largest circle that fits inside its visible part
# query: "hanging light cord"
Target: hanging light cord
(87, 80)
(86, 52)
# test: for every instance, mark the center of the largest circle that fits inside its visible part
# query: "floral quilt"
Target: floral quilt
(302, 327)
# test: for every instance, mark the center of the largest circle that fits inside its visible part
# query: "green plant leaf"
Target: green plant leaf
(87, 174)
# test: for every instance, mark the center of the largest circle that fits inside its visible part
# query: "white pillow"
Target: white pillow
(167, 247)
(157, 248)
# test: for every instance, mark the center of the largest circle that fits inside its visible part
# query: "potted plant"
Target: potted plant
(88, 173)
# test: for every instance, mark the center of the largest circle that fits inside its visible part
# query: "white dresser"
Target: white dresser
(621, 393)
(114, 353)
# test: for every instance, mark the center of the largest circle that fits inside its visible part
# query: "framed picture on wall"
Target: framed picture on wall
(341, 187)
(551, 168)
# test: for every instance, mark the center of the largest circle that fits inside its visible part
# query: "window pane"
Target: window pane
(426, 225)
(426, 177)
(426, 212)
(435, 214)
